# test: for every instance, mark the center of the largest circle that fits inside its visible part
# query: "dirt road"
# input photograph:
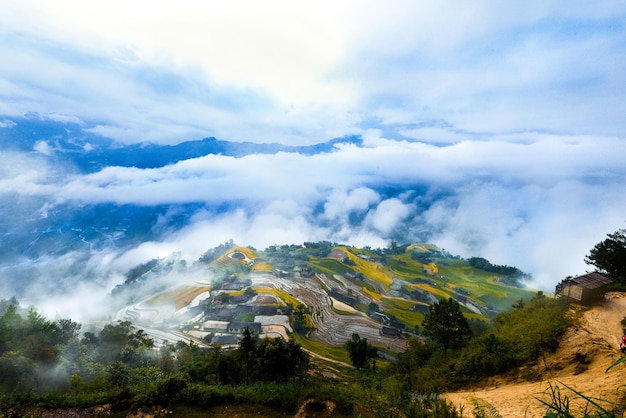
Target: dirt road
(595, 339)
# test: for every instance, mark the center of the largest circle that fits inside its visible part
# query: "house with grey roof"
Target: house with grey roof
(587, 288)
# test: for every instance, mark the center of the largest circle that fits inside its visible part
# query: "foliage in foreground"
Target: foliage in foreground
(519, 337)
(120, 367)
(558, 405)
(50, 365)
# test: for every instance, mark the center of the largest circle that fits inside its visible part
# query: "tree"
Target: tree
(280, 361)
(122, 342)
(67, 330)
(416, 355)
(609, 256)
(300, 318)
(360, 351)
(250, 292)
(445, 324)
(247, 346)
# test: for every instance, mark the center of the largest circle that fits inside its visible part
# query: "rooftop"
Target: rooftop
(591, 280)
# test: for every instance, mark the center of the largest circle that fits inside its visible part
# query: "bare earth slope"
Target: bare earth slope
(591, 344)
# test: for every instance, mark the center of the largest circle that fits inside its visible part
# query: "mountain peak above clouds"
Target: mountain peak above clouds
(74, 142)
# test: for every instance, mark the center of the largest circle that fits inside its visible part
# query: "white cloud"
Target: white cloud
(7, 123)
(43, 147)
(506, 200)
(388, 215)
(341, 203)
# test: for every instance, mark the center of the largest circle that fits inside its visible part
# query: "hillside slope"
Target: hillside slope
(586, 351)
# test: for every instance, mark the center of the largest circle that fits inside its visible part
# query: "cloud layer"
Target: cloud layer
(539, 202)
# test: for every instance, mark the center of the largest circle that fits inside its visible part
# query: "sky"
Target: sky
(492, 128)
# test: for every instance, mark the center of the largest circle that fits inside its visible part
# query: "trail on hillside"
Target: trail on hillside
(591, 345)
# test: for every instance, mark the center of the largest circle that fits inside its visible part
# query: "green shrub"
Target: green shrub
(519, 337)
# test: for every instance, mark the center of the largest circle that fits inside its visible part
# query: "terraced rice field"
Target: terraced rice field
(179, 296)
(331, 327)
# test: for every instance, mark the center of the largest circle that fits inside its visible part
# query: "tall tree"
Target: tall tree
(360, 351)
(247, 346)
(609, 256)
(445, 324)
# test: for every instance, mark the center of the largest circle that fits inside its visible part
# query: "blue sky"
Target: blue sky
(507, 118)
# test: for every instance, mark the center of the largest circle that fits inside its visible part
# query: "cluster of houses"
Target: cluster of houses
(221, 323)
(228, 334)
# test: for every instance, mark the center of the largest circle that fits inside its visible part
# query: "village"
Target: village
(262, 302)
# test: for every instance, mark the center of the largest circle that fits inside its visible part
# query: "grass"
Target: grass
(424, 248)
(251, 254)
(345, 313)
(225, 259)
(482, 408)
(437, 291)
(373, 294)
(180, 295)
(333, 352)
(281, 294)
(369, 268)
(224, 411)
(452, 274)
(262, 266)
(482, 286)
(401, 310)
(559, 405)
(329, 266)
(405, 268)
(339, 311)
(322, 284)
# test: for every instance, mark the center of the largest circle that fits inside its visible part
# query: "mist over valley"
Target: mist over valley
(81, 210)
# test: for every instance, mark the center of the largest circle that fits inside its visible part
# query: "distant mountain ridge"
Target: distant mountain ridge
(155, 156)
(91, 152)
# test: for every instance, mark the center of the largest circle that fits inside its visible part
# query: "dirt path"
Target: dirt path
(594, 340)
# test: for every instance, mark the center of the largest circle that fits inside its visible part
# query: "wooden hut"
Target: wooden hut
(584, 289)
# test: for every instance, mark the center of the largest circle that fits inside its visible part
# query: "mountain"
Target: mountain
(79, 146)
(395, 285)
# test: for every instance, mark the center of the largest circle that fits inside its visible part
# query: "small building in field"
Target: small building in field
(584, 289)
(390, 332)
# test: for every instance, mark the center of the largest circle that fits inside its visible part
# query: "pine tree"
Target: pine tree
(445, 324)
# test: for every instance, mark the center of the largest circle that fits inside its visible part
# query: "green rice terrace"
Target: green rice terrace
(321, 293)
